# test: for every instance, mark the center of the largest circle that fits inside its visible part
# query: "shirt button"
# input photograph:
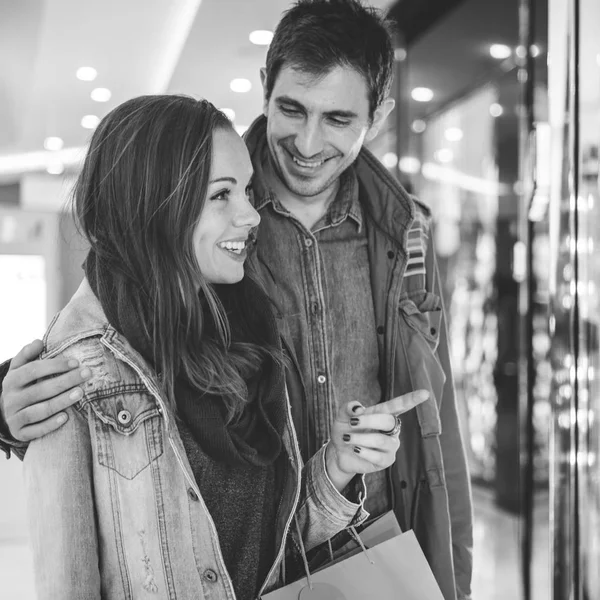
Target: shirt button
(308, 242)
(380, 330)
(124, 417)
(403, 484)
(315, 308)
(192, 494)
(210, 576)
(390, 254)
(433, 331)
(321, 379)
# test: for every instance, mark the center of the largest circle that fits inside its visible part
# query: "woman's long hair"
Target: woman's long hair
(138, 199)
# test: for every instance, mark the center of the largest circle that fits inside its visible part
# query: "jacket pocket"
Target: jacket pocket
(423, 313)
(129, 433)
(419, 331)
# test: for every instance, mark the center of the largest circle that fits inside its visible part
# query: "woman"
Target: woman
(178, 474)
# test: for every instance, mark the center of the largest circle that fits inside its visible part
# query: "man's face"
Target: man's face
(316, 127)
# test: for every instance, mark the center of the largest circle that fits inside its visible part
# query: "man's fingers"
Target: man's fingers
(26, 354)
(43, 411)
(48, 388)
(39, 369)
(32, 432)
(400, 404)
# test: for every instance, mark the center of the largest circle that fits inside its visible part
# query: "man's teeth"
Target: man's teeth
(236, 247)
(303, 163)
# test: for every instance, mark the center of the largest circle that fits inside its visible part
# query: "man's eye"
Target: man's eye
(339, 122)
(222, 195)
(286, 110)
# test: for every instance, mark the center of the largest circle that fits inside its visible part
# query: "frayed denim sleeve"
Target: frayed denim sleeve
(323, 511)
(58, 470)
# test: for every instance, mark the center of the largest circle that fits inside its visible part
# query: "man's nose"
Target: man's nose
(309, 139)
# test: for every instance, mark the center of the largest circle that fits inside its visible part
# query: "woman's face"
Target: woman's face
(222, 231)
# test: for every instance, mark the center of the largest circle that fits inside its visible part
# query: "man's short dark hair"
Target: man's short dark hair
(315, 36)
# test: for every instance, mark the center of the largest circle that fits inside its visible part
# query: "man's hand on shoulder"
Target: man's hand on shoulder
(34, 392)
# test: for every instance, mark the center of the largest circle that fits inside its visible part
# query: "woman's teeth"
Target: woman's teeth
(236, 247)
(310, 165)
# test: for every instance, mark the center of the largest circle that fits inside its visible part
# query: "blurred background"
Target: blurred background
(496, 127)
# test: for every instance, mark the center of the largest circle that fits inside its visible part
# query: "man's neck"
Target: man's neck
(308, 210)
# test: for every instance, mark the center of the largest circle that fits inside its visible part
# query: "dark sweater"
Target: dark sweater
(242, 501)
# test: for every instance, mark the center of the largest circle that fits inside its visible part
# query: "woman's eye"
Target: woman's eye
(222, 195)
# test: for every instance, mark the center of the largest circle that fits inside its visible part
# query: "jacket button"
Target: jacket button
(308, 242)
(210, 576)
(124, 417)
(433, 331)
(192, 494)
(403, 484)
(390, 254)
(380, 330)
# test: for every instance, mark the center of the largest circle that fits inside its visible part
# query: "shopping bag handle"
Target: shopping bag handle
(354, 535)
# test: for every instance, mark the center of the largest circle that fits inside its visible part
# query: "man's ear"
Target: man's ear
(263, 80)
(379, 116)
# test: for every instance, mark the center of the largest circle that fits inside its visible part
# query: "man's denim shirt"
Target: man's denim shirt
(323, 280)
(114, 509)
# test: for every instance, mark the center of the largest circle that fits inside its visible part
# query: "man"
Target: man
(347, 257)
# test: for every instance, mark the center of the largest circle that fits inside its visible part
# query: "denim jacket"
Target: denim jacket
(113, 506)
(429, 480)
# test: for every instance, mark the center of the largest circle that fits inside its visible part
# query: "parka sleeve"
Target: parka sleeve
(61, 513)
(453, 452)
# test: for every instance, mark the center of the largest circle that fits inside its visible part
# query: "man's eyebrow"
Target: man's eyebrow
(229, 179)
(345, 114)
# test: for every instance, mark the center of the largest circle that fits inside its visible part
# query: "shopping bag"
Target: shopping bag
(394, 569)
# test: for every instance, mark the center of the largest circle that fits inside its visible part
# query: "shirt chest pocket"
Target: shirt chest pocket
(129, 433)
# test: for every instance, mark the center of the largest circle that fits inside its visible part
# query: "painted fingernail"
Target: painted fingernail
(346, 437)
(85, 373)
(76, 394)
(357, 408)
(354, 421)
(356, 449)
(73, 363)
(61, 419)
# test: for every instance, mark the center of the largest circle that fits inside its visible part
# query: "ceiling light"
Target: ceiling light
(521, 52)
(55, 168)
(400, 54)
(390, 160)
(422, 94)
(444, 155)
(90, 122)
(261, 37)
(53, 143)
(500, 51)
(409, 164)
(241, 129)
(101, 94)
(229, 113)
(418, 126)
(240, 85)
(496, 110)
(453, 134)
(86, 73)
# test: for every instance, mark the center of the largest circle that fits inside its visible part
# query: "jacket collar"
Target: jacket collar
(386, 203)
